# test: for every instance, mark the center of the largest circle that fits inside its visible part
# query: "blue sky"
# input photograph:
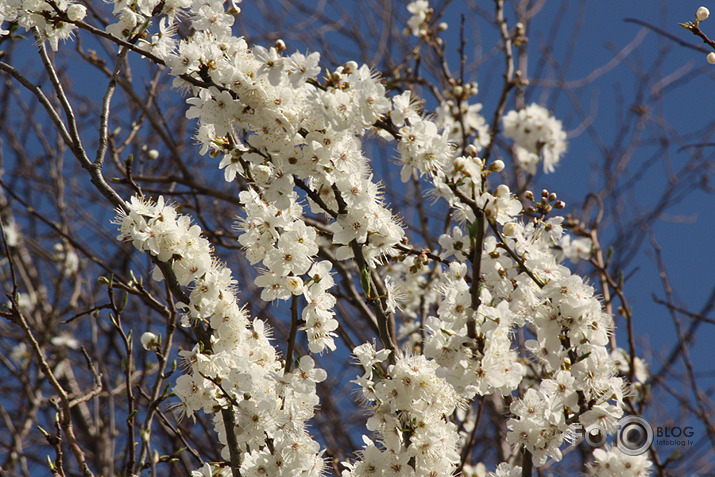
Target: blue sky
(685, 233)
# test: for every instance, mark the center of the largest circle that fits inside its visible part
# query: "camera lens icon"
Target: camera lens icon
(634, 436)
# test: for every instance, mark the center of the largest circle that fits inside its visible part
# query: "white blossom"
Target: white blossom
(538, 136)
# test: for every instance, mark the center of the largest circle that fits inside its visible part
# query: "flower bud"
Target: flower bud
(280, 45)
(150, 340)
(702, 14)
(294, 284)
(496, 166)
(471, 150)
(152, 154)
(529, 195)
(502, 190)
(509, 229)
(711, 58)
(77, 12)
(552, 197)
(350, 67)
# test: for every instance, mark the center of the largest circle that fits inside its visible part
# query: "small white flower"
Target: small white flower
(308, 375)
(711, 58)
(12, 233)
(20, 353)
(65, 341)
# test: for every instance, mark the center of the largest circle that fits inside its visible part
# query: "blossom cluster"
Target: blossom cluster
(410, 409)
(460, 118)
(417, 24)
(293, 142)
(240, 371)
(298, 140)
(286, 246)
(572, 378)
(53, 22)
(611, 462)
(538, 137)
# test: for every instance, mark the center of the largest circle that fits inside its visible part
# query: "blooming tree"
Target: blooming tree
(433, 334)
